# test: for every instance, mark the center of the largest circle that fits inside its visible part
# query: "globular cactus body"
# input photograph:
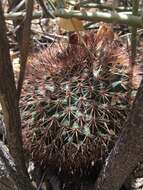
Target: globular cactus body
(74, 103)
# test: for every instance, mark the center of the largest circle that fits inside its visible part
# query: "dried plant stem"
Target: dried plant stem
(11, 170)
(10, 109)
(25, 46)
(104, 6)
(8, 97)
(134, 33)
(85, 15)
(45, 10)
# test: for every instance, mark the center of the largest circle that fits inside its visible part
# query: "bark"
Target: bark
(127, 151)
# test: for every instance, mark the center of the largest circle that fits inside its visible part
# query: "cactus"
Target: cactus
(75, 101)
